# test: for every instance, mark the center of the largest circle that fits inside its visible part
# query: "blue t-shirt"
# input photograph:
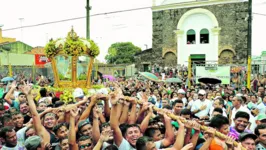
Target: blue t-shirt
(15, 104)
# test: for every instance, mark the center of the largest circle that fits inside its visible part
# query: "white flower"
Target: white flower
(82, 58)
(86, 43)
(60, 42)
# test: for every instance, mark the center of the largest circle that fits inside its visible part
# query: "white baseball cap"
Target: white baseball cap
(181, 91)
(78, 93)
(202, 92)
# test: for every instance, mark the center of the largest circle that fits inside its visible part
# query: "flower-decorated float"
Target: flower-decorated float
(72, 63)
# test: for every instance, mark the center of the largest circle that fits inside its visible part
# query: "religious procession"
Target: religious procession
(198, 86)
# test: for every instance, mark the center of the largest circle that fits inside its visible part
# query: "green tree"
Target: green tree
(121, 53)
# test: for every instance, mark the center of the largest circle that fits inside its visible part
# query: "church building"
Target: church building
(213, 31)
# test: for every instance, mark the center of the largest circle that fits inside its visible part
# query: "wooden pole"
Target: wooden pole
(183, 120)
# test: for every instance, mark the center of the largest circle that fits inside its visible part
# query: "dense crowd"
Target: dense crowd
(132, 114)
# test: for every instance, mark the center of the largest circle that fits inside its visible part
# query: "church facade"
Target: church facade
(206, 31)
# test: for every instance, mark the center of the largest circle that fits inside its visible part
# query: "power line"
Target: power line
(77, 18)
(259, 14)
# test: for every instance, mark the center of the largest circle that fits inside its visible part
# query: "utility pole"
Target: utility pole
(21, 20)
(88, 8)
(249, 42)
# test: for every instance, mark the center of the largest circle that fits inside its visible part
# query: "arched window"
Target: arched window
(191, 36)
(204, 36)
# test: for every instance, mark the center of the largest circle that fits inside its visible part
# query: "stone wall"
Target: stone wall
(231, 19)
(144, 57)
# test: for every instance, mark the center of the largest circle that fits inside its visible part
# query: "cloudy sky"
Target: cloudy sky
(134, 26)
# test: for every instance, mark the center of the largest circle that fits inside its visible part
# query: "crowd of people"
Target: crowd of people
(132, 114)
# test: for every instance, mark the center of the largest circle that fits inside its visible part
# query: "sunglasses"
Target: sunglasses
(84, 146)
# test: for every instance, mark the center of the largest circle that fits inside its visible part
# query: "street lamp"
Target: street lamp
(146, 46)
(21, 20)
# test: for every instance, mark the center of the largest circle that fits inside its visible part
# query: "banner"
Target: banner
(222, 73)
(41, 60)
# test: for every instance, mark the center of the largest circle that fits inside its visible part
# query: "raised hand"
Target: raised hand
(189, 124)
(144, 97)
(114, 98)
(27, 89)
(229, 141)
(94, 99)
(95, 112)
(13, 85)
(196, 125)
(106, 135)
(127, 103)
(166, 117)
(211, 132)
(150, 108)
(47, 146)
(188, 146)
(145, 106)
(132, 100)
(74, 113)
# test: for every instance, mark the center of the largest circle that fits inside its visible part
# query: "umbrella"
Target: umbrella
(109, 77)
(149, 76)
(99, 74)
(173, 80)
(209, 80)
(6, 79)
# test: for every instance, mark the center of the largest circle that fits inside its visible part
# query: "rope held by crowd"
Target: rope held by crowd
(202, 127)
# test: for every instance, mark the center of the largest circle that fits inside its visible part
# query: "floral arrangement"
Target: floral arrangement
(50, 49)
(72, 45)
(67, 94)
(94, 49)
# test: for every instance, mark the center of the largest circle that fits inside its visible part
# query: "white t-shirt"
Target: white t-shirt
(126, 146)
(184, 100)
(20, 141)
(21, 135)
(262, 108)
(190, 103)
(242, 108)
(224, 111)
(198, 103)
(46, 100)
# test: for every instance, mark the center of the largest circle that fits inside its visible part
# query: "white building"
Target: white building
(198, 30)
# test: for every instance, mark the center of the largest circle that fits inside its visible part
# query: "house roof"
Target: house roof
(143, 52)
(36, 50)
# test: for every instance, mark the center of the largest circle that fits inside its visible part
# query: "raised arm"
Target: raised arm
(179, 142)
(10, 92)
(195, 137)
(207, 143)
(133, 113)
(114, 118)
(145, 123)
(72, 131)
(41, 131)
(107, 110)
(169, 134)
(105, 136)
(87, 111)
(124, 116)
(95, 126)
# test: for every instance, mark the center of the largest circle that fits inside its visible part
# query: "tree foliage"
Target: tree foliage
(121, 53)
